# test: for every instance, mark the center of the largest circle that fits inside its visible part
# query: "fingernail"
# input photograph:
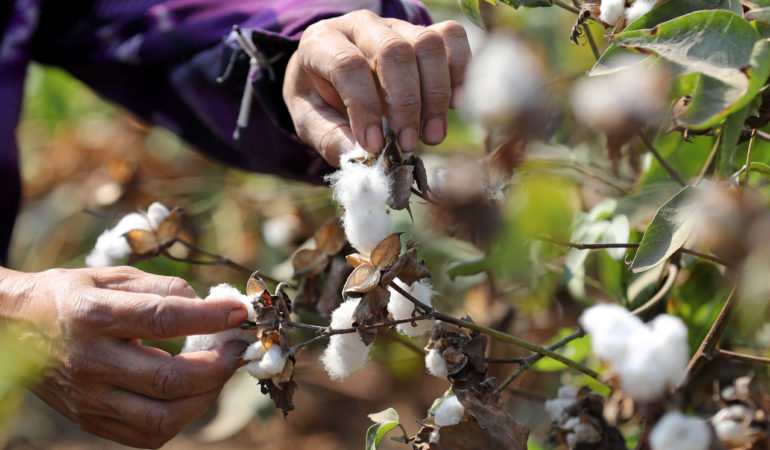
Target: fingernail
(374, 139)
(407, 139)
(457, 96)
(434, 131)
(236, 316)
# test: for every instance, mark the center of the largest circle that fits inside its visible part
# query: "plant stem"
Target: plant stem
(666, 165)
(745, 180)
(706, 349)
(709, 160)
(566, 7)
(591, 41)
(218, 260)
(576, 167)
(743, 357)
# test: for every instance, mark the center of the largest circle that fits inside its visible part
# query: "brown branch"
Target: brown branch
(742, 357)
(666, 165)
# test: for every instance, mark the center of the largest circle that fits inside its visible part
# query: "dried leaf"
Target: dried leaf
(143, 242)
(356, 259)
(363, 279)
(412, 269)
(309, 263)
(170, 227)
(420, 175)
(330, 238)
(283, 395)
(387, 251)
(371, 309)
(255, 285)
(401, 187)
(330, 293)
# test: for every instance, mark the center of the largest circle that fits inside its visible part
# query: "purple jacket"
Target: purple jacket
(160, 59)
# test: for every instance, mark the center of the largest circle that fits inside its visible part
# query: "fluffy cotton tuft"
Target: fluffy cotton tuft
(449, 412)
(203, 342)
(112, 246)
(345, 353)
(611, 11)
(648, 358)
(675, 431)
(401, 308)
(638, 9)
(436, 364)
(502, 81)
(556, 408)
(733, 426)
(579, 432)
(264, 364)
(363, 193)
(280, 231)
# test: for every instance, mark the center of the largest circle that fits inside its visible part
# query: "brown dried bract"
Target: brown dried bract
(151, 243)
(464, 353)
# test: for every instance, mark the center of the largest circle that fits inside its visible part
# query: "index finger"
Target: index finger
(150, 316)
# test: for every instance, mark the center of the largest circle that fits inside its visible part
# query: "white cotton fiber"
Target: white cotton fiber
(157, 213)
(611, 11)
(401, 308)
(648, 358)
(210, 341)
(363, 192)
(638, 9)
(733, 426)
(345, 353)
(449, 412)
(436, 364)
(556, 408)
(269, 365)
(111, 246)
(675, 431)
(579, 432)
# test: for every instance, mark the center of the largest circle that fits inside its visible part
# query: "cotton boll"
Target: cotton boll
(112, 246)
(280, 231)
(270, 365)
(556, 408)
(580, 432)
(157, 213)
(345, 353)
(638, 9)
(436, 364)
(199, 342)
(225, 290)
(254, 352)
(675, 431)
(611, 11)
(211, 341)
(449, 412)
(610, 327)
(733, 426)
(401, 308)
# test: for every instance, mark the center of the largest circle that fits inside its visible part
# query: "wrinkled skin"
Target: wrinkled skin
(351, 70)
(91, 322)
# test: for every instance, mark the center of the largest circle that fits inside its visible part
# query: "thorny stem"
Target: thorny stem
(581, 246)
(742, 357)
(666, 165)
(706, 349)
(527, 362)
(662, 294)
(745, 179)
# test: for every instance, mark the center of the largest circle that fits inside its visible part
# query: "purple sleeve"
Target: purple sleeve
(161, 60)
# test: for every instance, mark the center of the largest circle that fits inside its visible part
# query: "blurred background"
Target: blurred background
(80, 153)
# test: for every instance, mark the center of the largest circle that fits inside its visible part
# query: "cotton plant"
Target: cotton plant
(675, 431)
(345, 353)
(612, 11)
(445, 411)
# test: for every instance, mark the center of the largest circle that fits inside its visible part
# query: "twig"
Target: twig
(662, 294)
(709, 161)
(220, 260)
(745, 180)
(576, 167)
(101, 215)
(706, 349)
(529, 361)
(666, 165)
(504, 360)
(591, 41)
(742, 357)
(566, 7)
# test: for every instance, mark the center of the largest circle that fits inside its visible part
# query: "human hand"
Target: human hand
(351, 70)
(101, 377)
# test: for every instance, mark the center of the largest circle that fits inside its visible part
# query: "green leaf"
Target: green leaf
(611, 61)
(467, 268)
(760, 15)
(668, 231)
(384, 421)
(728, 142)
(576, 350)
(727, 54)
(472, 11)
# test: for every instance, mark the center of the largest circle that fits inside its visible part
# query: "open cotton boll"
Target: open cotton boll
(111, 246)
(610, 327)
(436, 364)
(611, 11)
(157, 213)
(733, 426)
(345, 353)
(638, 9)
(269, 365)
(210, 341)
(579, 432)
(555, 408)
(363, 192)
(675, 431)
(449, 412)
(401, 308)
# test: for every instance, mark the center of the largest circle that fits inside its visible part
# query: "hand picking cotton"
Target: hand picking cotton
(203, 342)
(363, 192)
(648, 358)
(401, 308)
(112, 246)
(345, 353)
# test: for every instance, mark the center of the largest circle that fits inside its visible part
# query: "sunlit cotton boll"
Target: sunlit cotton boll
(675, 431)
(621, 100)
(401, 308)
(202, 342)
(638, 9)
(648, 358)
(264, 364)
(436, 364)
(611, 11)
(503, 81)
(345, 353)
(733, 426)
(449, 412)
(363, 193)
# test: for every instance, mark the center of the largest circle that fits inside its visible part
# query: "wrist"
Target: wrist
(15, 294)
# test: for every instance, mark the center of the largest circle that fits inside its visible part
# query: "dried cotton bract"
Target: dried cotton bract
(345, 353)
(112, 246)
(203, 342)
(401, 308)
(648, 358)
(363, 192)
(675, 431)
